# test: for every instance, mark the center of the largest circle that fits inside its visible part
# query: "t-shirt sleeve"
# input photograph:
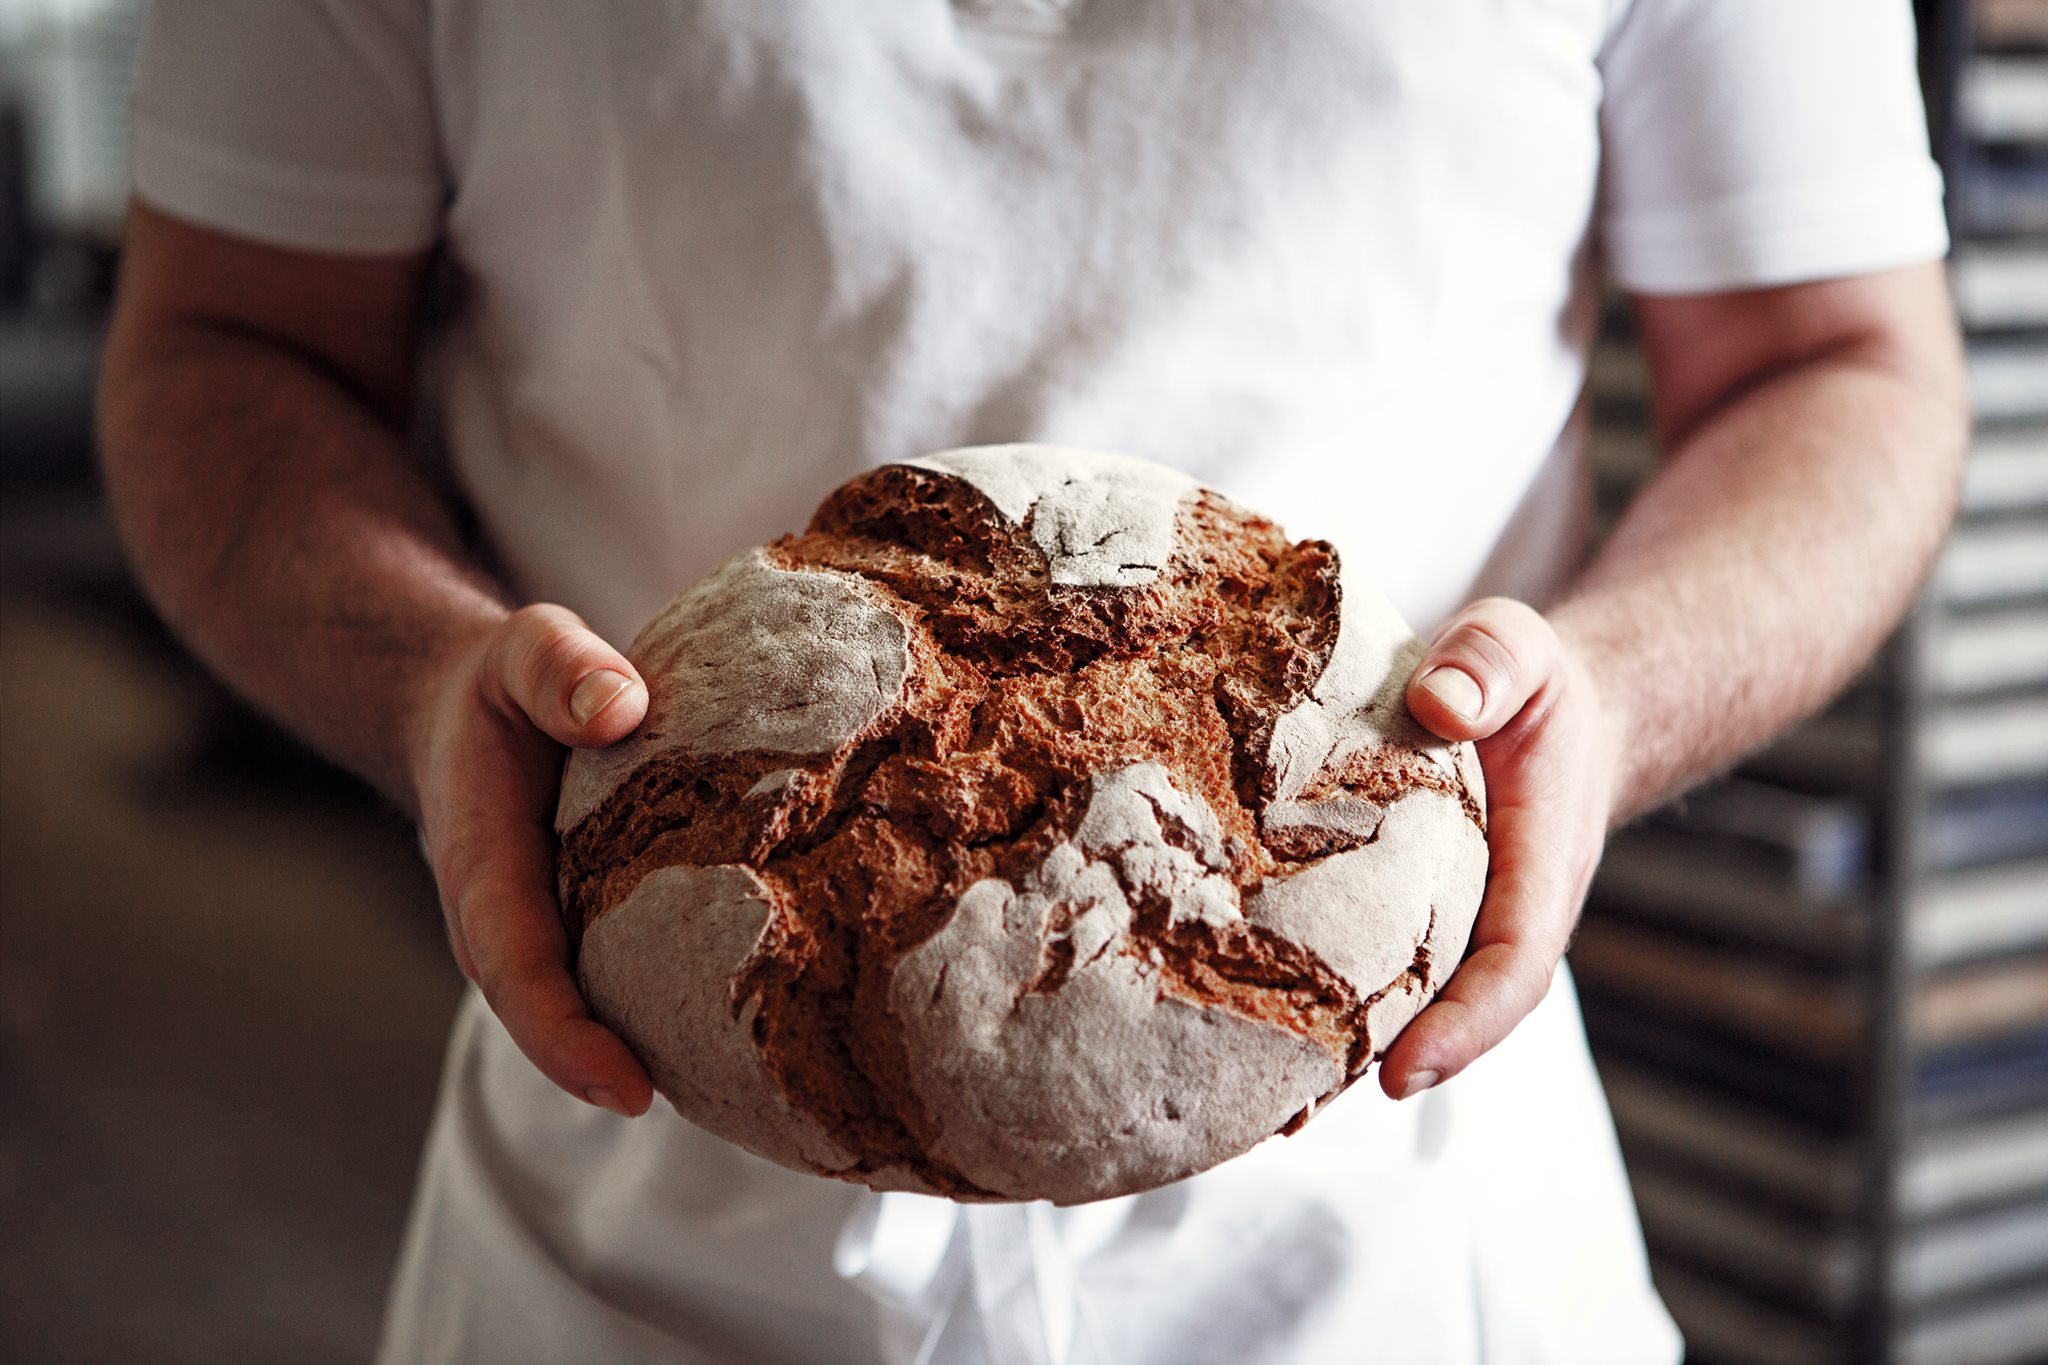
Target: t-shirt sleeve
(1749, 143)
(302, 123)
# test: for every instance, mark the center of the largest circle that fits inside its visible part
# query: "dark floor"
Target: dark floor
(222, 997)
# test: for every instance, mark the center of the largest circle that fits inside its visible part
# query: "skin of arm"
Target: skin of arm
(250, 421)
(1814, 437)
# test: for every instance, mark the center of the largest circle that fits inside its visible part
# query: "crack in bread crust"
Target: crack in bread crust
(1020, 692)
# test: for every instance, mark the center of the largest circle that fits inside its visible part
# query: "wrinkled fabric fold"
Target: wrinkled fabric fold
(983, 1284)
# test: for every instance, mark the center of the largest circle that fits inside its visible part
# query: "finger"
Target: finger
(1483, 668)
(1525, 922)
(522, 970)
(564, 678)
(509, 934)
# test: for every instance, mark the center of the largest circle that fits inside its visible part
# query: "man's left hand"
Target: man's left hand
(1498, 674)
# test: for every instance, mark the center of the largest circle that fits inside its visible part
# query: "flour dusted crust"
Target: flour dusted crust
(754, 657)
(1037, 824)
(660, 967)
(1099, 520)
(1089, 1058)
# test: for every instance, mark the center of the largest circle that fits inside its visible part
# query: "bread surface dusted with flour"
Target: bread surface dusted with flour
(1037, 824)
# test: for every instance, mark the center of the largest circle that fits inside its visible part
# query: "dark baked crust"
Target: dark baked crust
(1021, 691)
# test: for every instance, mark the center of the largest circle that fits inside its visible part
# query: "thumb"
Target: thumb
(550, 665)
(1482, 669)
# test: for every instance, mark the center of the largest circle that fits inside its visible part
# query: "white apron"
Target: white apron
(1485, 1221)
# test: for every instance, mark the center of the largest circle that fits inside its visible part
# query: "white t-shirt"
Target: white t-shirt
(1335, 257)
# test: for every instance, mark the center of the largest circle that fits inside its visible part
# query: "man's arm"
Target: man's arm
(250, 423)
(1815, 436)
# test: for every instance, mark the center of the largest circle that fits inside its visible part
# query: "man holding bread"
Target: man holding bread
(1338, 260)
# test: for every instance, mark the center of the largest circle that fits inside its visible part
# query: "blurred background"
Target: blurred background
(1818, 989)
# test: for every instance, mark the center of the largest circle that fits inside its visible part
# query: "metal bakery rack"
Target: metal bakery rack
(1818, 988)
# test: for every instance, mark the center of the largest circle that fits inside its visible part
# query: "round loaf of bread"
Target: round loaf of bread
(1036, 825)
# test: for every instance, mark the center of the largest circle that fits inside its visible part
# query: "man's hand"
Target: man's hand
(1813, 437)
(1499, 674)
(487, 760)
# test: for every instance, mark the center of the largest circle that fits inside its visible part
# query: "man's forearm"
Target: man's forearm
(1762, 565)
(277, 522)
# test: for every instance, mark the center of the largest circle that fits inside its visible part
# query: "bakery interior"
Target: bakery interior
(1817, 987)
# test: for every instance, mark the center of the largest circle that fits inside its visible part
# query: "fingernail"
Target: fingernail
(1419, 1081)
(1456, 689)
(604, 1098)
(595, 693)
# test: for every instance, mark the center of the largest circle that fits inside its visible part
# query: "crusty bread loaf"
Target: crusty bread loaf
(1037, 824)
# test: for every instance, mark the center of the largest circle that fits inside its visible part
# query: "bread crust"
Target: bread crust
(1037, 824)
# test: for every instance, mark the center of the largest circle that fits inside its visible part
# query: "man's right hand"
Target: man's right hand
(487, 752)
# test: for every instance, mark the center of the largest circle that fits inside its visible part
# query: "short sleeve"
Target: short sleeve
(303, 123)
(1748, 143)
